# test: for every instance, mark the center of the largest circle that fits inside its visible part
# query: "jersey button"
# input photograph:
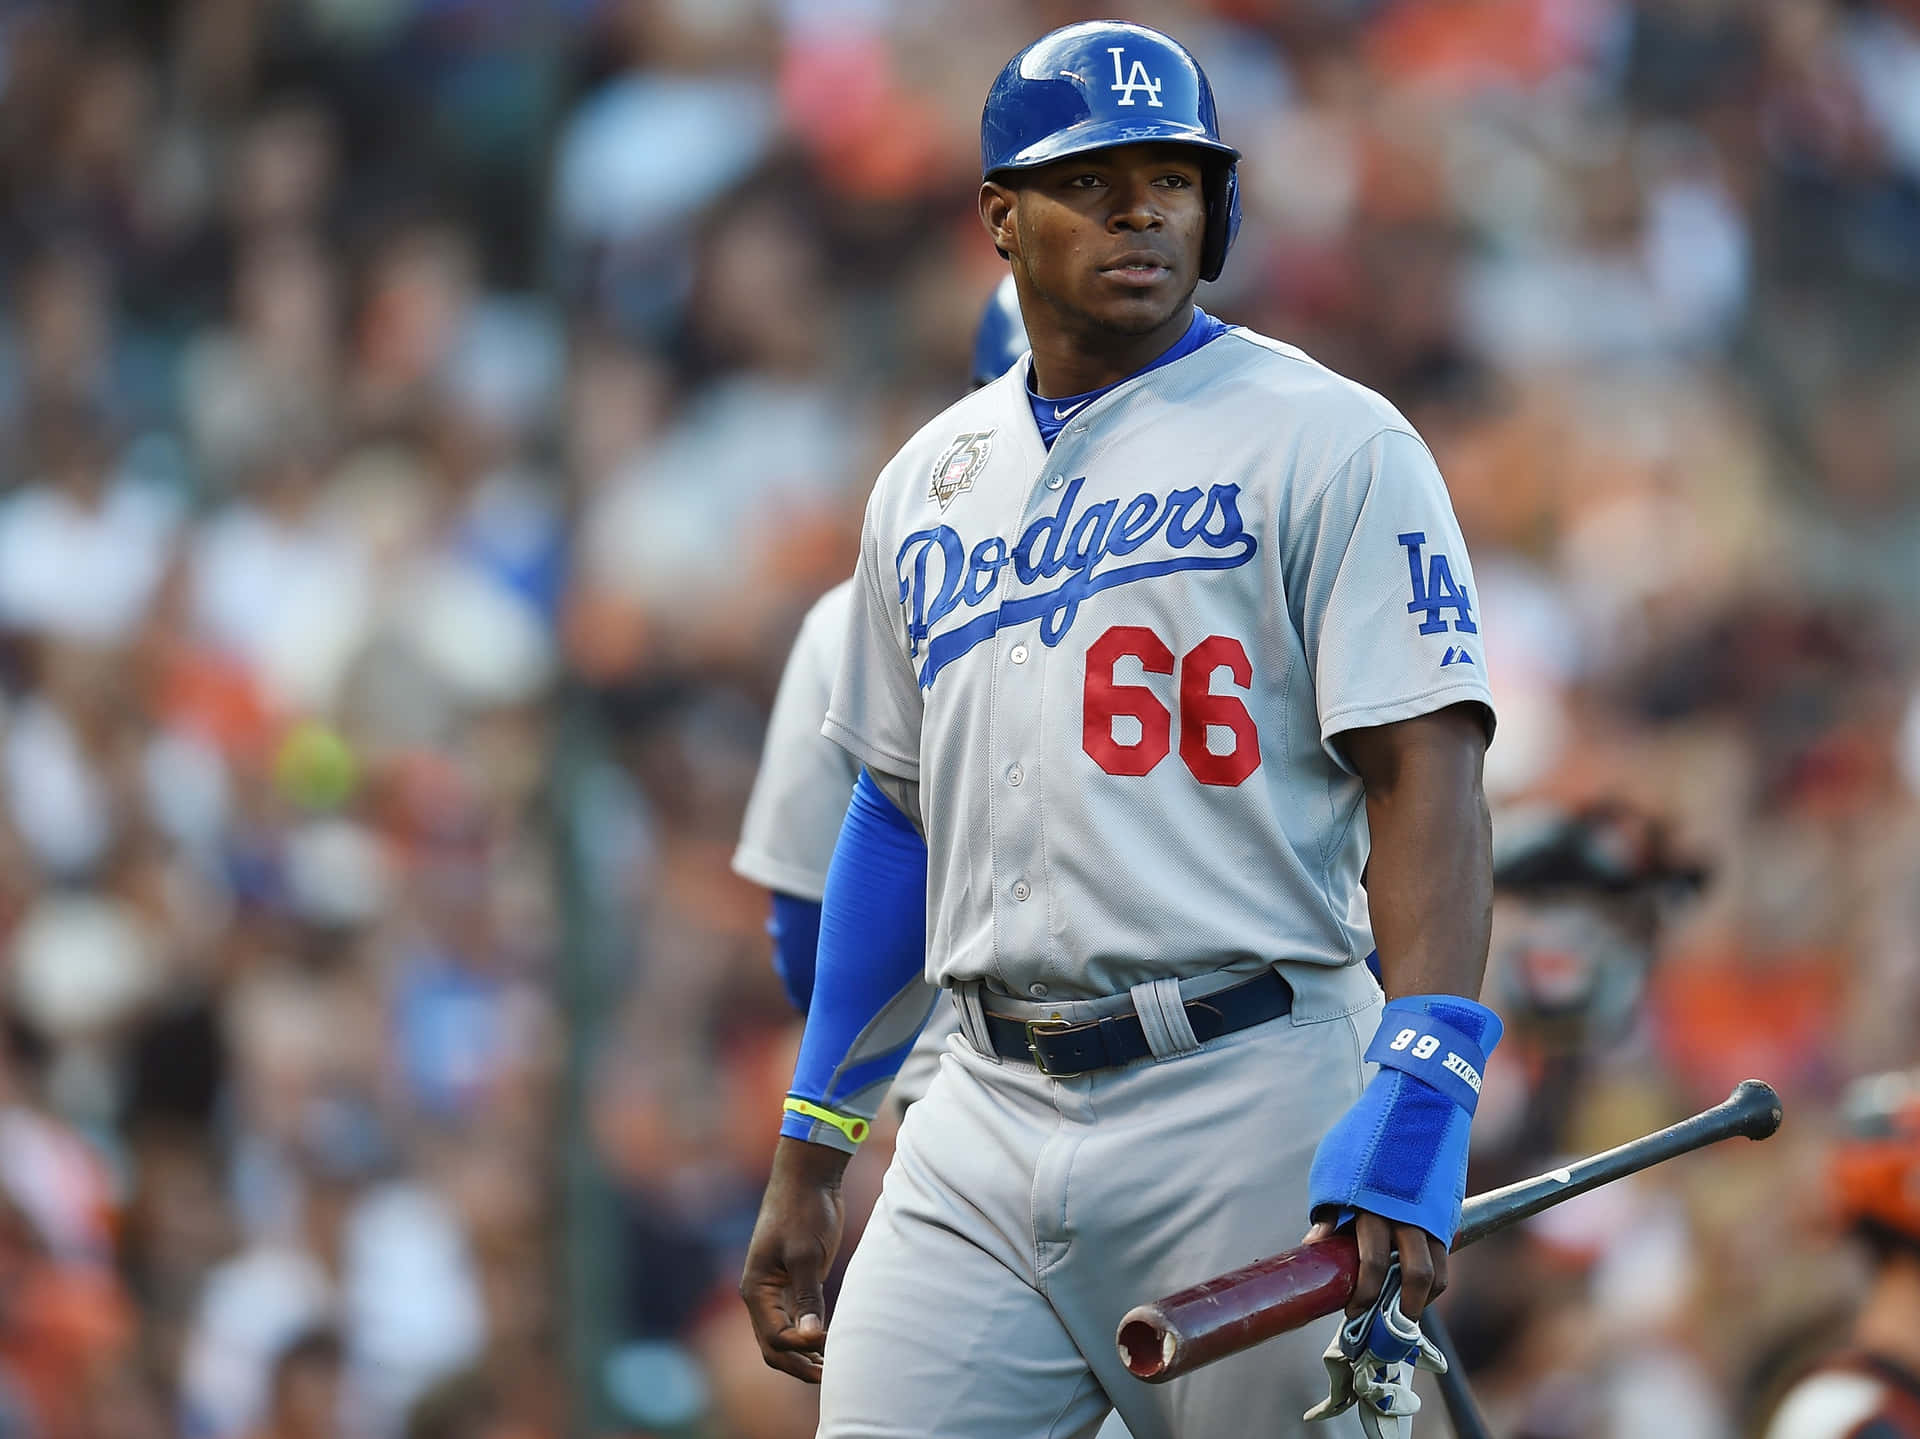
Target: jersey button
(1055, 482)
(1018, 654)
(1016, 776)
(1020, 889)
(1038, 991)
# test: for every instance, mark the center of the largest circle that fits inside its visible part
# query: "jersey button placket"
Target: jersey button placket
(1019, 843)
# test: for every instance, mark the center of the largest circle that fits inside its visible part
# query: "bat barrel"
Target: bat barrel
(1757, 1107)
(1165, 1339)
(1752, 1110)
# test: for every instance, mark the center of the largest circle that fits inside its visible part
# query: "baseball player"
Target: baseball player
(1159, 646)
(1872, 1389)
(793, 815)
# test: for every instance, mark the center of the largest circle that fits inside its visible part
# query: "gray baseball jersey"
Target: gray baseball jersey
(1117, 669)
(800, 794)
(800, 797)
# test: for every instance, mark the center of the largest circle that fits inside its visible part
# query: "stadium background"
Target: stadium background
(425, 422)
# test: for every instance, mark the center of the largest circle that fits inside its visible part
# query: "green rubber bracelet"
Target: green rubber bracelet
(851, 1125)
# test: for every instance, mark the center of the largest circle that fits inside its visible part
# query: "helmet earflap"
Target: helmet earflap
(1223, 218)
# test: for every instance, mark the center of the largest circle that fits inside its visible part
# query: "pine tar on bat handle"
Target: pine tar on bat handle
(1169, 1337)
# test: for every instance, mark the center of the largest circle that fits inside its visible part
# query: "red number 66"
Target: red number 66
(1103, 699)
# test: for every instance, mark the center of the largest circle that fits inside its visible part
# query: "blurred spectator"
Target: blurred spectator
(279, 589)
(304, 1394)
(274, 369)
(82, 548)
(464, 1406)
(382, 1259)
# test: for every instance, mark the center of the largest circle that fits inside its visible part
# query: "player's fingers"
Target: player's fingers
(804, 1366)
(1322, 1230)
(805, 1338)
(1375, 1240)
(789, 1331)
(1417, 1269)
(790, 1349)
(804, 1282)
(766, 1311)
(802, 1335)
(797, 1348)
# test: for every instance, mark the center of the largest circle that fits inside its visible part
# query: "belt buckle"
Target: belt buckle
(1037, 1027)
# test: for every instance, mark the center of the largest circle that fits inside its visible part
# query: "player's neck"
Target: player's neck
(1889, 1325)
(1074, 362)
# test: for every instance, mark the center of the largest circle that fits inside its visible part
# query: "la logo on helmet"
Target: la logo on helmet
(1135, 79)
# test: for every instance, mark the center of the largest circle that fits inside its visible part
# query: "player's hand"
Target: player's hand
(794, 1241)
(1423, 1262)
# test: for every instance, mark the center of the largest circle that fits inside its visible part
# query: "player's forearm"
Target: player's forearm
(1430, 870)
(1430, 888)
(797, 1162)
(870, 994)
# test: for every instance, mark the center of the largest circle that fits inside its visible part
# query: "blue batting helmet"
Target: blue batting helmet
(1102, 84)
(1001, 337)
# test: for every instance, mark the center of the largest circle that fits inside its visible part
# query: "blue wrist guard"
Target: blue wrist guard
(1401, 1151)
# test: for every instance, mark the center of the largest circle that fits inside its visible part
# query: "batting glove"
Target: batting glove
(1371, 1363)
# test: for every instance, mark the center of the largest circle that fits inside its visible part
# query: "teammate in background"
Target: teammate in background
(1871, 1390)
(800, 795)
(1157, 644)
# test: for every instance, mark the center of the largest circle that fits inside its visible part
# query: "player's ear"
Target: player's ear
(996, 213)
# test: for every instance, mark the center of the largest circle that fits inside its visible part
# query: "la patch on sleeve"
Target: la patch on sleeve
(1436, 593)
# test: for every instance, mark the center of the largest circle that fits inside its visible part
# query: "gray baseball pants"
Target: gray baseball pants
(1022, 1216)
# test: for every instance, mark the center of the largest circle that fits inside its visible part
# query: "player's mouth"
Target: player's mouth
(1137, 269)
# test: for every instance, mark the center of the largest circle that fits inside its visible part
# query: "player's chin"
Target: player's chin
(1135, 309)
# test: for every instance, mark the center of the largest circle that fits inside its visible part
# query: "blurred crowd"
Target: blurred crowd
(425, 422)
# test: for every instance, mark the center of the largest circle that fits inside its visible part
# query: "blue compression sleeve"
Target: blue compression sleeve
(795, 927)
(870, 994)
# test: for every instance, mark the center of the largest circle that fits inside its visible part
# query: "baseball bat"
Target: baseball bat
(1223, 1315)
(1463, 1410)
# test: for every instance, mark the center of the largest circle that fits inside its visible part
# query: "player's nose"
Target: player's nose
(1135, 205)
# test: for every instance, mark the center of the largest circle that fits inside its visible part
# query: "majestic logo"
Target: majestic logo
(956, 467)
(1434, 590)
(1455, 655)
(938, 573)
(1136, 78)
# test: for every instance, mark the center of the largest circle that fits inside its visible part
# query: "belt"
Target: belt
(1061, 1050)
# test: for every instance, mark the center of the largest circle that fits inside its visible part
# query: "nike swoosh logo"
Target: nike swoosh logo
(1060, 414)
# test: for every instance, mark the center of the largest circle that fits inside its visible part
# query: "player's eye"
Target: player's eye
(1088, 181)
(1177, 181)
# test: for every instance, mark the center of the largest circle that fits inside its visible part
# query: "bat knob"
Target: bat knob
(1758, 1105)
